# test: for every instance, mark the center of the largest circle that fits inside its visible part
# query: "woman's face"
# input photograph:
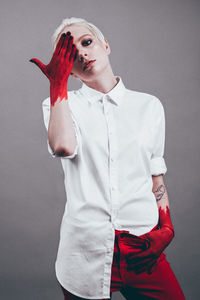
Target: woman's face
(89, 48)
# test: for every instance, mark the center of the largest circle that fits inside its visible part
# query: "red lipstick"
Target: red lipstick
(88, 64)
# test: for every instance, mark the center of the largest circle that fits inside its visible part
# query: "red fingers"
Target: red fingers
(76, 55)
(73, 53)
(141, 259)
(59, 68)
(135, 257)
(39, 64)
(68, 47)
(60, 44)
(65, 47)
(147, 266)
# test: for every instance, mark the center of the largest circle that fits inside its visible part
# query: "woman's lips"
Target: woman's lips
(88, 64)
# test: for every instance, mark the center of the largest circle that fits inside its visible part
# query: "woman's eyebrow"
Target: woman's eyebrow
(83, 36)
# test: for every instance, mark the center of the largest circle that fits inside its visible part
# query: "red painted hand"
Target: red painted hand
(158, 240)
(59, 68)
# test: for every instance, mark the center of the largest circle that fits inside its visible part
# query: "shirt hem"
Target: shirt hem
(75, 293)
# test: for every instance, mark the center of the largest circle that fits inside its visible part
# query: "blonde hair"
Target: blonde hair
(69, 21)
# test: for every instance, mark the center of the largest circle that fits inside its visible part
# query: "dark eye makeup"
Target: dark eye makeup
(85, 43)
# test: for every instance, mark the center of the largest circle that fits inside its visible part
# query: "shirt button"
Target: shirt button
(112, 159)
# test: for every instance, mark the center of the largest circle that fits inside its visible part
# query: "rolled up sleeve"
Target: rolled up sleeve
(46, 117)
(157, 162)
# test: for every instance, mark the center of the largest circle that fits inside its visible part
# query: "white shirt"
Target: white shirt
(108, 181)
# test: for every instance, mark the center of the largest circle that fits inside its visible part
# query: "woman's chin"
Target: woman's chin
(92, 73)
(89, 76)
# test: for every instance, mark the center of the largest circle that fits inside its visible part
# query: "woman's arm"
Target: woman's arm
(160, 191)
(61, 132)
(158, 239)
(161, 196)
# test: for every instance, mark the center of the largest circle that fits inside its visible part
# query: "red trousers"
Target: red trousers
(161, 284)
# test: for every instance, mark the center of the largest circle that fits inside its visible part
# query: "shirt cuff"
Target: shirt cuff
(158, 166)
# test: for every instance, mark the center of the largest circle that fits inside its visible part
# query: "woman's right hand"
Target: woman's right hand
(59, 68)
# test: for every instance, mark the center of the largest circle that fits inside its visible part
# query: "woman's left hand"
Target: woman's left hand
(145, 260)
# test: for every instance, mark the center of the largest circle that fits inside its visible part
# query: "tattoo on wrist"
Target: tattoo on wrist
(159, 192)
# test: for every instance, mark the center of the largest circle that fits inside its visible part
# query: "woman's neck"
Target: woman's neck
(104, 82)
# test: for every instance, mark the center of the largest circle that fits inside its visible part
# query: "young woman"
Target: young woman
(110, 139)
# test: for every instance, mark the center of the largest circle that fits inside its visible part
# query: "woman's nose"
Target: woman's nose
(82, 55)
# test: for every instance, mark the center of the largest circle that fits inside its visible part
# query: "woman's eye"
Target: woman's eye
(87, 42)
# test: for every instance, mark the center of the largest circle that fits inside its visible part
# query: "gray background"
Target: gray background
(155, 47)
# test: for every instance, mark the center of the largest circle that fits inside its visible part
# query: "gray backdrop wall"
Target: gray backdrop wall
(155, 47)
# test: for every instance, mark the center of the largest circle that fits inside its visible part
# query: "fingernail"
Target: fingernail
(68, 32)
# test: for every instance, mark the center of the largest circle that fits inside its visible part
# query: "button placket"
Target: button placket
(112, 139)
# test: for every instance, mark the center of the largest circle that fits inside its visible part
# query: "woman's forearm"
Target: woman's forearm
(61, 132)
(160, 191)
(162, 200)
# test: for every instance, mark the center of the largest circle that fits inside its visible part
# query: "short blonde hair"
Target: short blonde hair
(72, 20)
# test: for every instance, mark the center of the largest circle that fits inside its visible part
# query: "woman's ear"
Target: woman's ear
(108, 50)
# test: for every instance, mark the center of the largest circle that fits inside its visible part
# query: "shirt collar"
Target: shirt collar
(114, 95)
